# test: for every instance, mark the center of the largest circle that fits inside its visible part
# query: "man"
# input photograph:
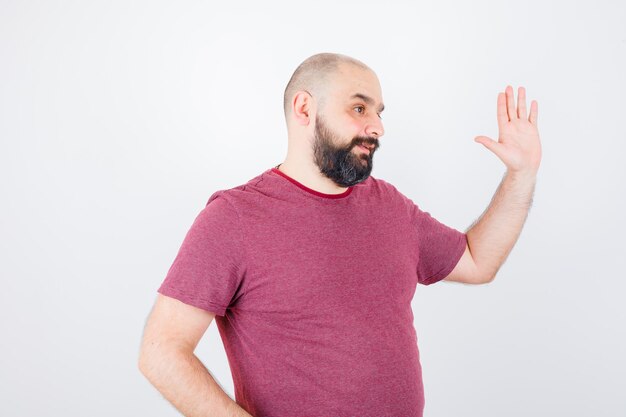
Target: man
(310, 268)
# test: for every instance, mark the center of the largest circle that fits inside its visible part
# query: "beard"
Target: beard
(340, 163)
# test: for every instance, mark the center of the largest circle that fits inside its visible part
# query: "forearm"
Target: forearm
(185, 382)
(493, 235)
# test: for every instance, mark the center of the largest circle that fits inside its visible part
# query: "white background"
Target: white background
(119, 119)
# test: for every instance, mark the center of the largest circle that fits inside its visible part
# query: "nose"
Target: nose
(375, 127)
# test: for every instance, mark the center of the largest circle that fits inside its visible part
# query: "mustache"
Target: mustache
(365, 140)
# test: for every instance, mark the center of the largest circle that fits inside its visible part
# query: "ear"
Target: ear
(303, 108)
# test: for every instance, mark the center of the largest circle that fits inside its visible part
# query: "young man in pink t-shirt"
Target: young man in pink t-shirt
(310, 267)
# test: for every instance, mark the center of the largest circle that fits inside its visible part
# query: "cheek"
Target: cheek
(353, 126)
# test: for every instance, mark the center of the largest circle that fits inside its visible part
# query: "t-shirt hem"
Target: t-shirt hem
(454, 261)
(192, 300)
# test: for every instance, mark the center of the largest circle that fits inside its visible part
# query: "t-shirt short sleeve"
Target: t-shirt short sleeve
(440, 247)
(207, 271)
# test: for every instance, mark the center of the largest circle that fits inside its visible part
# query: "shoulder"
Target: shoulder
(378, 185)
(386, 190)
(235, 195)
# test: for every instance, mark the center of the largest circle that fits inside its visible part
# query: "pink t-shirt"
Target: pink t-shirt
(312, 293)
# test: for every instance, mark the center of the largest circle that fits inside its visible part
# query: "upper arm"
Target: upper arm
(174, 324)
(466, 270)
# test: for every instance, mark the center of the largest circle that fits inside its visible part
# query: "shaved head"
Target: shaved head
(314, 74)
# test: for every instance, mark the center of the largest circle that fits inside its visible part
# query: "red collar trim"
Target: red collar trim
(310, 190)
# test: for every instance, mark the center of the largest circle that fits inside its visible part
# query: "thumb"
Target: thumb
(488, 143)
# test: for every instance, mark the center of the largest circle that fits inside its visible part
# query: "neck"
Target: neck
(305, 171)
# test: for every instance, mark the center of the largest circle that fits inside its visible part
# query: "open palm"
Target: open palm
(518, 144)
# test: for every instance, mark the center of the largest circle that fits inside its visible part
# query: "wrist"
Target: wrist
(522, 175)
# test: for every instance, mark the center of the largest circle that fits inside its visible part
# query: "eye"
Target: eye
(360, 107)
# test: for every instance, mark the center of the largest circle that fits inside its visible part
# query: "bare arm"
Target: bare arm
(166, 359)
(491, 238)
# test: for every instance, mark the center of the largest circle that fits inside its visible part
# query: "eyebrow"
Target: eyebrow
(368, 100)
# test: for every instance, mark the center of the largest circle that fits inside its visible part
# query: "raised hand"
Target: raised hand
(518, 144)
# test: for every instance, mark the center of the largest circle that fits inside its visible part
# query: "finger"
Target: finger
(510, 103)
(488, 143)
(502, 116)
(521, 103)
(534, 112)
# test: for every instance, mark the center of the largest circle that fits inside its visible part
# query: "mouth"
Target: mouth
(366, 148)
